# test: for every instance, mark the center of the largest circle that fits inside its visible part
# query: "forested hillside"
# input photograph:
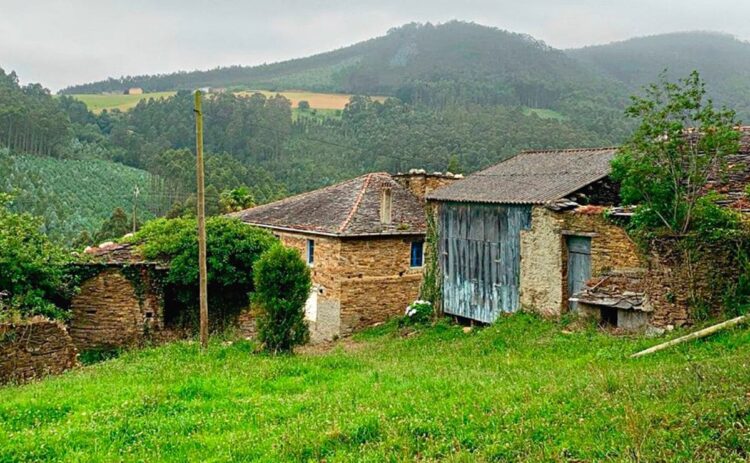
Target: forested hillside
(460, 63)
(722, 60)
(76, 195)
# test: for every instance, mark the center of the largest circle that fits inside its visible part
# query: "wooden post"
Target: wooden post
(698, 334)
(203, 287)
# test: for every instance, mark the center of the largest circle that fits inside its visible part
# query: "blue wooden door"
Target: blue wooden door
(480, 263)
(579, 265)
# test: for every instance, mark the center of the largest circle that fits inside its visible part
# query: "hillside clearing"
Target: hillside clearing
(521, 389)
(316, 100)
(99, 102)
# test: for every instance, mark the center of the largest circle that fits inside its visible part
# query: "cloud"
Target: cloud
(63, 43)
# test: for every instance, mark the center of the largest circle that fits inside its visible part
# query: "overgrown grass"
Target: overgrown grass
(519, 390)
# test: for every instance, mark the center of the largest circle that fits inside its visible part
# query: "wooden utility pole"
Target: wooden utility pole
(698, 334)
(136, 192)
(203, 288)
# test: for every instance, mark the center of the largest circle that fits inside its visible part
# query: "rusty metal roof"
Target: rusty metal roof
(350, 208)
(531, 177)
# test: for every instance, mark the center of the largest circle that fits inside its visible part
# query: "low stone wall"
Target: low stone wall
(34, 349)
(109, 312)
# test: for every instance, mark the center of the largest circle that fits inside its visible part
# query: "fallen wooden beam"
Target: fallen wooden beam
(689, 337)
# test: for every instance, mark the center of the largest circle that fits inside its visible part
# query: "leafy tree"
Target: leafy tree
(681, 141)
(232, 249)
(118, 225)
(82, 240)
(236, 199)
(32, 268)
(303, 105)
(282, 285)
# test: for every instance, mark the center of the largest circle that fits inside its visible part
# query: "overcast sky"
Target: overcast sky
(59, 43)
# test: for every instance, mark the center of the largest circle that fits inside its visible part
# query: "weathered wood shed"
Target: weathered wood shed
(514, 235)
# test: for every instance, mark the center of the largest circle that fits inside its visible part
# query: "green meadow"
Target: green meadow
(523, 389)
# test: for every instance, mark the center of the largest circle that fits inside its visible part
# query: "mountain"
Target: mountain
(459, 63)
(722, 60)
(434, 64)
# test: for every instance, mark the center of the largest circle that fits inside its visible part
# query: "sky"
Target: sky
(60, 43)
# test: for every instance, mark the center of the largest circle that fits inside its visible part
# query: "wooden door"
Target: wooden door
(579, 265)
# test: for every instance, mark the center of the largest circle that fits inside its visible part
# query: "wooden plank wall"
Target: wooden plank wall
(480, 249)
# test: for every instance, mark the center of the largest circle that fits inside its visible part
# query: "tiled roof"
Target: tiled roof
(531, 177)
(733, 185)
(350, 208)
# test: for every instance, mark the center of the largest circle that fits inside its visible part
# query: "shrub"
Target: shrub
(232, 249)
(282, 285)
(33, 275)
(418, 312)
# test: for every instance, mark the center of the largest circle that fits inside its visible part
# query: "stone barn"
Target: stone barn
(529, 233)
(120, 303)
(364, 242)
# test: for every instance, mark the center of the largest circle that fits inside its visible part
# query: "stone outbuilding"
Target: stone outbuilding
(530, 232)
(120, 302)
(364, 242)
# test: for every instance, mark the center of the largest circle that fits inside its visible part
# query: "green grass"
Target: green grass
(519, 390)
(98, 102)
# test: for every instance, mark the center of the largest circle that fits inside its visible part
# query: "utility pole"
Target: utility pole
(136, 192)
(203, 288)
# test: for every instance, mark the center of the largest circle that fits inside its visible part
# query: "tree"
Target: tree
(233, 247)
(303, 105)
(282, 286)
(118, 225)
(681, 142)
(32, 268)
(236, 199)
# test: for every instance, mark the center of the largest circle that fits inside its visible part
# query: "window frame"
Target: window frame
(419, 244)
(310, 248)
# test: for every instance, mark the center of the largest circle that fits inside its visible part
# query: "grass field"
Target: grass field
(98, 102)
(316, 100)
(521, 390)
(319, 101)
(544, 113)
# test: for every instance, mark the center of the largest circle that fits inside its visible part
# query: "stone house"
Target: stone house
(120, 302)
(364, 242)
(529, 233)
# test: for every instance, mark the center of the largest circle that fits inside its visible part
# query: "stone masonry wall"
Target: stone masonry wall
(544, 257)
(377, 280)
(541, 263)
(34, 349)
(108, 312)
(423, 184)
(326, 277)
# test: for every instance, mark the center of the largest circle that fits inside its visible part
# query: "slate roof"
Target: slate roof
(531, 177)
(350, 208)
(734, 183)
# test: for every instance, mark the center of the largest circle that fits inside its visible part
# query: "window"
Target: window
(310, 252)
(417, 253)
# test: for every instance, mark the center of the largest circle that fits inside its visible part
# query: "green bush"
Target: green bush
(282, 285)
(418, 312)
(232, 249)
(32, 269)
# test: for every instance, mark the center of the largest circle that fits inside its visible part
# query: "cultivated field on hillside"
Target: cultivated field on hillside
(521, 390)
(99, 102)
(321, 101)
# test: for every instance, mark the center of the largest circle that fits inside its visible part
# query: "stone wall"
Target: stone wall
(544, 255)
(377, 280)
(109, 312)
(358, 281)
(34, 349)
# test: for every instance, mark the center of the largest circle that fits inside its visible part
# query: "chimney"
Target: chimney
(386, 205)
(420, 183)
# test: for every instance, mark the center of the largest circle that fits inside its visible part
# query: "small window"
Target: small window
(417, 253)
(310, 252)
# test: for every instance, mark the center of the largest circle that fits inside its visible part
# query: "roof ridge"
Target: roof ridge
(356, 203)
